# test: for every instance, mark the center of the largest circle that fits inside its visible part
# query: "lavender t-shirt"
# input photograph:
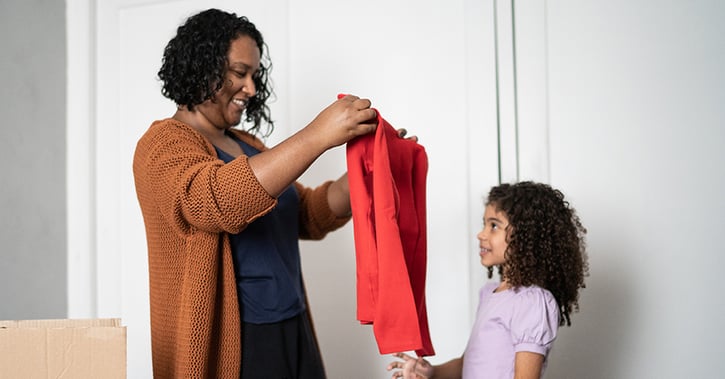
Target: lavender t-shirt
(525, 319)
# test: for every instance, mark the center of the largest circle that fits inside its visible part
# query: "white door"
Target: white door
(428, 66)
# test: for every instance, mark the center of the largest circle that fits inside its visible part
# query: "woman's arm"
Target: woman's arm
(340, 122)
(338, 197)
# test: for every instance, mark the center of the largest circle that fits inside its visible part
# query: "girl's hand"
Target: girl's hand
(410, 367)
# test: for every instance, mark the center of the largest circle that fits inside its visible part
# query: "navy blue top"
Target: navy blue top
(267, 259)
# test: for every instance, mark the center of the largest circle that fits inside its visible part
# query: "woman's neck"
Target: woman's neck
(200, 124)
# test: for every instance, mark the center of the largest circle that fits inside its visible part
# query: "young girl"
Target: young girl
(536, 241)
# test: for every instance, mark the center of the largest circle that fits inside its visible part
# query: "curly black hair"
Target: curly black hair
(195, 62)
(546, 244)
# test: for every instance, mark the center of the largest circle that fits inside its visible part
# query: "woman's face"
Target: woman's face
(492, 239)
(225, 109)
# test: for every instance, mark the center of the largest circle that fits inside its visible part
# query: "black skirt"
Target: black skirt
(282, 350)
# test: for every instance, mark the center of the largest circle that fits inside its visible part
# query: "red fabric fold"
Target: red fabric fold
(387, 177)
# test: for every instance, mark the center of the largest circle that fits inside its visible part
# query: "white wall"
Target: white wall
(631, 95)
(637, 130)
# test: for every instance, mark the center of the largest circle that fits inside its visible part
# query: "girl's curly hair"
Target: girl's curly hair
(546, 244)
(195, 62)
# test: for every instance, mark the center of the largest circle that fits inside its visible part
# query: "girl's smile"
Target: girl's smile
(493, 238)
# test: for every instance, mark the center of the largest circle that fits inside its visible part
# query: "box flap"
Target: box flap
(93, 348)
(60, 323)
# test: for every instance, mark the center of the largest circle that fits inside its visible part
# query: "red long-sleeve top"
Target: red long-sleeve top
(387, 177)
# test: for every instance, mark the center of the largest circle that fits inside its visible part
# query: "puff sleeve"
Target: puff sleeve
(534, 321)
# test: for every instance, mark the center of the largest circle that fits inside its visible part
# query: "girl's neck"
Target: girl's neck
(503, 286)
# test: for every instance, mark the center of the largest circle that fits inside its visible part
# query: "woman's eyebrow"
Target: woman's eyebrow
(240, 65)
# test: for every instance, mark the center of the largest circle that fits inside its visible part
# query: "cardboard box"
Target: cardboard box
(93, 348)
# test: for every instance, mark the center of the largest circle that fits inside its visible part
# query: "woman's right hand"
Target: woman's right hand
(340, 122)
(343, 120)
(410, 367)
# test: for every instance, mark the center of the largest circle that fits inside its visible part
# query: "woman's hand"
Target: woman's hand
(410, 367)
(343, 120)
(403, 132)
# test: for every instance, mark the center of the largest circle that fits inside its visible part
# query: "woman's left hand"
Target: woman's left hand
(402, 132)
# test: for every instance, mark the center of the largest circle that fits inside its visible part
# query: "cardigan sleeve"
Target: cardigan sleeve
(191, 187)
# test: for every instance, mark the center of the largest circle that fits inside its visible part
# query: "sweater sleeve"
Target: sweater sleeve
(193, 189)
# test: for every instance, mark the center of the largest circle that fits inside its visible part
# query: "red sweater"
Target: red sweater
(387, 177)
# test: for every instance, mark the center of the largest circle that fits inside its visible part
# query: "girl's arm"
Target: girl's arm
(452, 369)
(527, 365)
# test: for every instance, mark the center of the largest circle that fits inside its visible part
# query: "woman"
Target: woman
(223, 213)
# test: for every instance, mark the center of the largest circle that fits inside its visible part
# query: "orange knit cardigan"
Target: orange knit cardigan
(191, 201)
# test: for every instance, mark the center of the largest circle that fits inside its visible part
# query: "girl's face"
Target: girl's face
(492, 239)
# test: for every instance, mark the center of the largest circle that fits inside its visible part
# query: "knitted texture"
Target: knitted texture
(191, 201)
